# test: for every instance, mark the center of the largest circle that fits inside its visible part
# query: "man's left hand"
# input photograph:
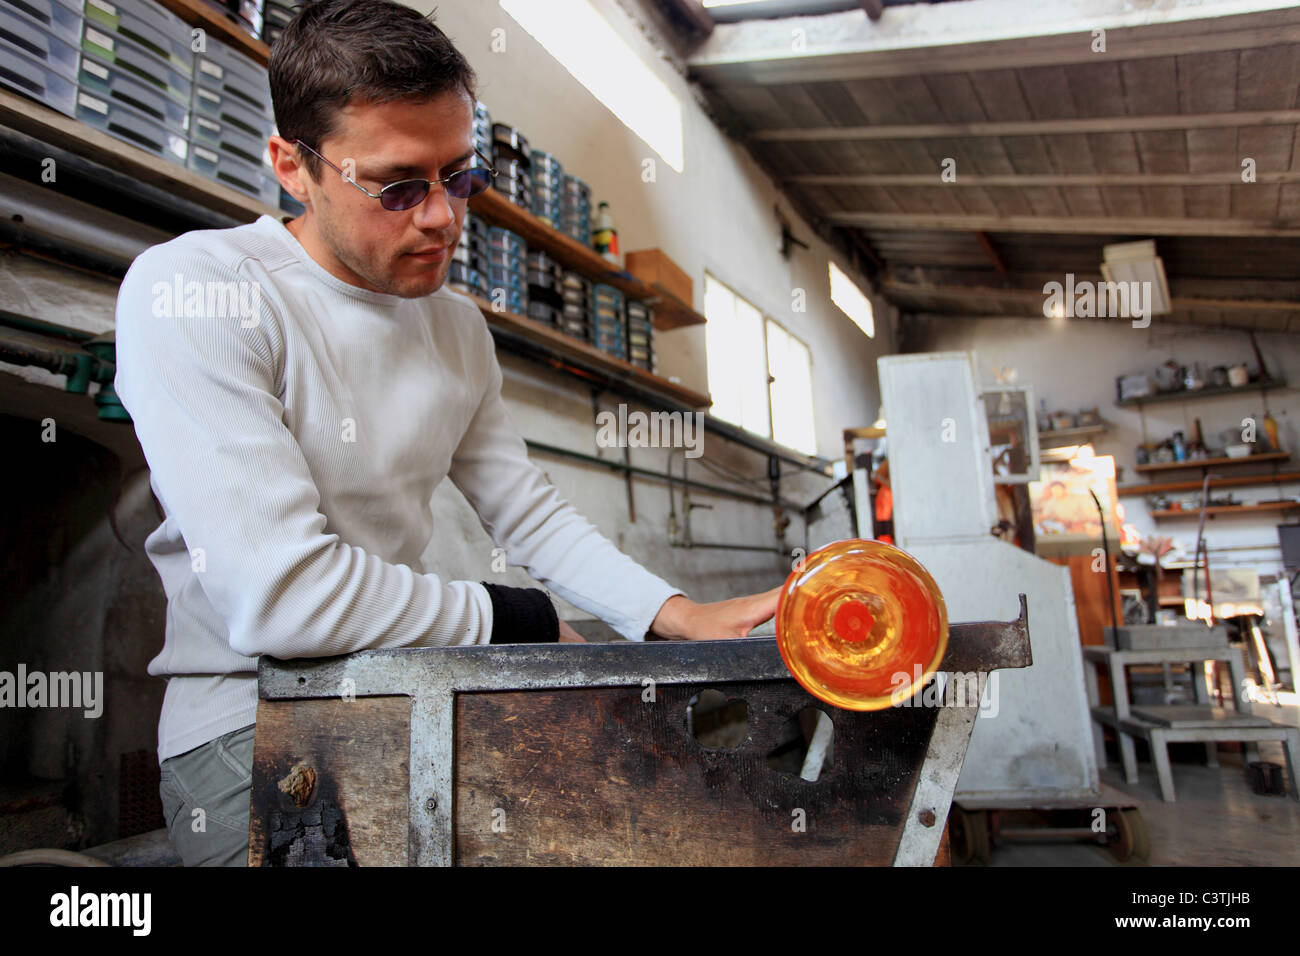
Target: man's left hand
(681, 619)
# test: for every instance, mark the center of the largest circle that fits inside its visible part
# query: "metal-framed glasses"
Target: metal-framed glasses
(411, 192)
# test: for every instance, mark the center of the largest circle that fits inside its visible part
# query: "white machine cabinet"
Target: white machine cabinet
(1033, 740)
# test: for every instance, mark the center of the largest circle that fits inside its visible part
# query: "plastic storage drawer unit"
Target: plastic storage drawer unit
(254, 180)
(141, 62)
(129, 124)
(61, 19)
(20, 72)
(219, 69)
(24, 33)
(149, 25)
(116, 84)
(228, 138)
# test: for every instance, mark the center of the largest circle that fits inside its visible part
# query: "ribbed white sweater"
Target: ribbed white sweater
(296, 428)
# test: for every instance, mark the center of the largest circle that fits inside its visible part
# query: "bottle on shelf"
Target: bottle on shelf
(604, 237)
(1270, 429)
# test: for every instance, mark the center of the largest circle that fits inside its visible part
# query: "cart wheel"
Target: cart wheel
(968, 832)
(1130, 836)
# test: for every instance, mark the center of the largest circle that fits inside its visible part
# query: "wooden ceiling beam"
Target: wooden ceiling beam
(936, 38)
(1230, 177)
(1056, 127)
(1109, 226)
(892, 287)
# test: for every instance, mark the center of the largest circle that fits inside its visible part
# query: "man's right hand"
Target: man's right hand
(569, 636)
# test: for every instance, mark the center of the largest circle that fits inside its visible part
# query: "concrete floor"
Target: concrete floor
(1217, 820)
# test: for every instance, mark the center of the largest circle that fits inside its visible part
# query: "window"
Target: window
(851, 301)
(737, 365)
(760, 376)
(598, 58)
(789, 366)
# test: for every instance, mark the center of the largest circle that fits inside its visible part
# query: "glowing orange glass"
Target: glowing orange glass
(862, 625)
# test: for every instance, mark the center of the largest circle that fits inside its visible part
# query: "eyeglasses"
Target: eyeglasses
(411, 192)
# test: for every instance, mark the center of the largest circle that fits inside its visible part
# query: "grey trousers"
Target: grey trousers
(205, 794)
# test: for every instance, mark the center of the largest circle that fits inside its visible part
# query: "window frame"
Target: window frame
(768, 378)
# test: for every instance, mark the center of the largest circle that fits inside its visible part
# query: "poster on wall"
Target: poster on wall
(1066, 519)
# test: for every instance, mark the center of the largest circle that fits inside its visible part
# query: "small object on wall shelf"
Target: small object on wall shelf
(670, 312)
(1273, 456)
(1186, 394)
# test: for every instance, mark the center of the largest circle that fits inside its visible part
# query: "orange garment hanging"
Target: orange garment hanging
(884, 505)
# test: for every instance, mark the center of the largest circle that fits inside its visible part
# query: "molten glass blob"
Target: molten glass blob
(862, 626)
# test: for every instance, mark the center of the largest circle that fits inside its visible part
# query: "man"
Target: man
(300, 390)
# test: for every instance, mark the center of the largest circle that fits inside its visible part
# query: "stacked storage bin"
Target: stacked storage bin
(575, 209)
(231, 121)
(137, 75)
(256, 17)
(609, 321)
(249, 15)
(575, 313)
(640, 336)
(507, 269)
(545, 280)
(468, 271)
(275, 17)
(39, 40)
(483, 130)
(548, 185)
(512, 158)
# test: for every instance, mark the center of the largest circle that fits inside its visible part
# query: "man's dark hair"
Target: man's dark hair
(336, 52)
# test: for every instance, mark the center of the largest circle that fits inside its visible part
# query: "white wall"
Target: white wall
(1073, 364)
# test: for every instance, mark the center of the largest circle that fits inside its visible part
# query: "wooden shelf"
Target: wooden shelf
(198, 14)
(1268, 506)
(555, 341)
(50, 126)
(1059, 437)
(1213, 462)
(1161, 487)
(495, 209)
(1189, 394)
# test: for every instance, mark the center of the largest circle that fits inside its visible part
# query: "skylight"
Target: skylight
(597, 57)
(851, 301)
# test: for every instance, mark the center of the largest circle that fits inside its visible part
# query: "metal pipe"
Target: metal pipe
(645, 472)
(26, 324)
(694, 545)
(669, 480)
(150, 203)
(50, 221)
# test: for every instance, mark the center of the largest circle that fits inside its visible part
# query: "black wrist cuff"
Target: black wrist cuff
(522, 616)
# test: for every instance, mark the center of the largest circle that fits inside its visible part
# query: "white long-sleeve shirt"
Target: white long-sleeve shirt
(295, 428)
